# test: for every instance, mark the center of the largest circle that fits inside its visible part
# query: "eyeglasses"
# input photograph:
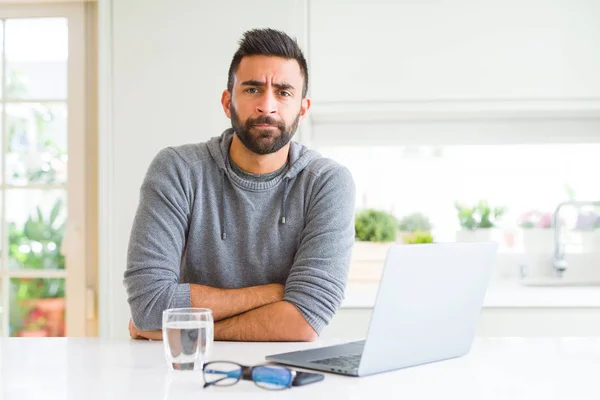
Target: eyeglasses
(225, 373)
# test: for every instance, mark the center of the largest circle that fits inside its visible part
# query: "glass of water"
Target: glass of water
(188, 335)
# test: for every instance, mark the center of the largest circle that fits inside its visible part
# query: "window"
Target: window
(42, 270)
(527, 177)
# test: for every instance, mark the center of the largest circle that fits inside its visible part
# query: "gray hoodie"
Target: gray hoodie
(198, 221)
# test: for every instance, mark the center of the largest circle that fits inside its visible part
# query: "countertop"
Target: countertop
(502, 368)
(510, 294)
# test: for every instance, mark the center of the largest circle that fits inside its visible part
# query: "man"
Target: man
(249, 224)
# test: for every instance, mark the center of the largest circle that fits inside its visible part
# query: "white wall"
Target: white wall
(169, 66)
(164, 65)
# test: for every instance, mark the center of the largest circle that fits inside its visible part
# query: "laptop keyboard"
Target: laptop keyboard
(348, 361)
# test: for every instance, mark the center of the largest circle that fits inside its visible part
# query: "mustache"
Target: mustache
(264, 120)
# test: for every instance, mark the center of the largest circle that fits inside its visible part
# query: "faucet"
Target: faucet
(558, 262)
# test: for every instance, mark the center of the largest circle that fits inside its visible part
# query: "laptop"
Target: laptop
(427, 310)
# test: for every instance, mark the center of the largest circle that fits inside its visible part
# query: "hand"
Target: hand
(133, 332)
(143, 335)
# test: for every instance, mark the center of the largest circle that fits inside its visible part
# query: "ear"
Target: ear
(226, 102)
(305, 105)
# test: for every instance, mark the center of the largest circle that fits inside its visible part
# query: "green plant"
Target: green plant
(39, 288)
(375, 226)
(418, 237)
(37, 245)
(415, 222)
(480, 216)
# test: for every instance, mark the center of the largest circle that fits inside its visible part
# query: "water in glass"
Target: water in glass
(187, 337)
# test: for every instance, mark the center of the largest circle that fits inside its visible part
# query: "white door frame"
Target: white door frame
(75, 232)
(106, 246)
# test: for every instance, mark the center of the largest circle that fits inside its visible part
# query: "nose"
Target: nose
(267, 104)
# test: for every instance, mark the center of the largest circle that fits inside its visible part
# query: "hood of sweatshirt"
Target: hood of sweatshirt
(298, 158)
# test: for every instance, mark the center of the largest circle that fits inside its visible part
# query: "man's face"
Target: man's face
(266, 103)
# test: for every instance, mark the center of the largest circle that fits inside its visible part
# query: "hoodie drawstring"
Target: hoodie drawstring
(285, 192)
(223, 211)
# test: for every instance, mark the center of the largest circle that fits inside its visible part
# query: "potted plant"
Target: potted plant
(419, 237)
(538, 235)
(588, 226)
(375, 231)
(34, 324)
(477, 221)
(46, 296)
(415, 228)
(37, 245)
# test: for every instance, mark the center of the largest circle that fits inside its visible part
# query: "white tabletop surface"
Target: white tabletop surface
(503, 368)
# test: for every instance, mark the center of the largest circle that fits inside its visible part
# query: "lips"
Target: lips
(264, 126)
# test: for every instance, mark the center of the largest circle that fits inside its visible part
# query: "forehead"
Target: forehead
(269, 68)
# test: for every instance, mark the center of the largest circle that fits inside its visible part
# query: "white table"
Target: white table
(87, 369)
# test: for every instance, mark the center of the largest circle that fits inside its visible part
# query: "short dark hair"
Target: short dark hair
(268, 42)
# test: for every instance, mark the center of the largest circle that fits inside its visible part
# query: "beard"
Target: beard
(263, 141)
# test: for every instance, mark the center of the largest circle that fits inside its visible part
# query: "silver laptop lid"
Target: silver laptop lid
(428, 304)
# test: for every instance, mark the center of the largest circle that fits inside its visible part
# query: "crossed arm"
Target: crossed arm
(314, 286)
(255, 313)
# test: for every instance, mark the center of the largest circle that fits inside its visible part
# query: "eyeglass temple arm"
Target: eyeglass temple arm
(207, 384)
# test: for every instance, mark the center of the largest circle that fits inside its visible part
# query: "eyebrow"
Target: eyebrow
(280, 86)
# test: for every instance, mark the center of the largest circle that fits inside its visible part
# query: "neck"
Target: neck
(257, 163)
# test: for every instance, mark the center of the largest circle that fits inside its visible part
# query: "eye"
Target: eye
(284, 93)
(251, 90)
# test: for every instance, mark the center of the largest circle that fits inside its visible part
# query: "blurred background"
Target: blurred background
(460, 120)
